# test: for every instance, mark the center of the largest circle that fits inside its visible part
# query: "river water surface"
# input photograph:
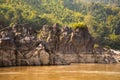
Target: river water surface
(69, 72)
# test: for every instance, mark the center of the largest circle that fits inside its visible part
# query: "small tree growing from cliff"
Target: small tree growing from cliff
(78, 25)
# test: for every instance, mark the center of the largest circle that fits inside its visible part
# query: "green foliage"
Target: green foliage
(96, 46)
(78, 25)
(108, 47)
(114, 41)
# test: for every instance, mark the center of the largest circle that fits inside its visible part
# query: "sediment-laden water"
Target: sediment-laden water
(69, 72)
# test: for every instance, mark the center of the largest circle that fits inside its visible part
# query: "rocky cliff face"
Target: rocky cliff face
(21, 46)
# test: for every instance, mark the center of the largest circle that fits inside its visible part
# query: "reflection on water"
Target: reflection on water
(69, 72)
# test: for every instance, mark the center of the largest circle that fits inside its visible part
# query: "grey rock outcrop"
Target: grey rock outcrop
(21, 46)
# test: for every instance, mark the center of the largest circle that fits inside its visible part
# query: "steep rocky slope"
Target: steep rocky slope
(21, 46)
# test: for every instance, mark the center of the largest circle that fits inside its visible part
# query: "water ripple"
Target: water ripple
(90, 72)
(60, 72)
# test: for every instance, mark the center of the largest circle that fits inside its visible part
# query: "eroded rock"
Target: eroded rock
(54, 46)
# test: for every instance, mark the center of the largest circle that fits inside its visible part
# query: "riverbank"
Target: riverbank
(23, 46)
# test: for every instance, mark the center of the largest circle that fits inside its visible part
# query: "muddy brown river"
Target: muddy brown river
(69, 72)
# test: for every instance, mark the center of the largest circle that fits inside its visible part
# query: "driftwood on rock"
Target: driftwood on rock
(21, 46)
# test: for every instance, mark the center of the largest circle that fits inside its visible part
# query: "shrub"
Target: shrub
(78, 25)
(108, 47)
(96, 46)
